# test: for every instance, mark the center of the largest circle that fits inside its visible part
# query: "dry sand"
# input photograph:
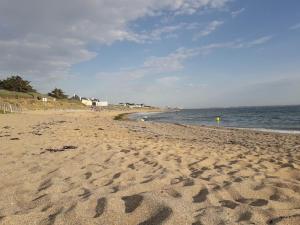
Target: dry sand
(85, 168)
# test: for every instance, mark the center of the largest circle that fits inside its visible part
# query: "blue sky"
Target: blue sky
(186, 53)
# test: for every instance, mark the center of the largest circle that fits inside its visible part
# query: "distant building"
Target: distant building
(86, 101)
(103, 103)
(132, 105)
(93, 102)
(45, 99)
(98, 103)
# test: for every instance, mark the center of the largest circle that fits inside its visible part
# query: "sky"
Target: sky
(177, 53)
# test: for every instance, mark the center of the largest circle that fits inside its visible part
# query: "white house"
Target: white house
(44, 99)
(132, 105)
(86, 101)
(103, 103)
(98, 103)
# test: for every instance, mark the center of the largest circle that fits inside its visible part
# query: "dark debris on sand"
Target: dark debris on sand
(64, 148)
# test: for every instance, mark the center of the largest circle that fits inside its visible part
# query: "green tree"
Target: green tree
(57, 93)
(16, 83)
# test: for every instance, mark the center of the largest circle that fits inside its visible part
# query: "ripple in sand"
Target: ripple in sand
(86, 194)
(45, 185)
(71, 208)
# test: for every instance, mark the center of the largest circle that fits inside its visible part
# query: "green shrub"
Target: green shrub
(16, 83)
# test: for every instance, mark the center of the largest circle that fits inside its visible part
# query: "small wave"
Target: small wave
(141, 115)
(271, 130)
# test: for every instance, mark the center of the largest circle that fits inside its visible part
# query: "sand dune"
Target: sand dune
(86, 168)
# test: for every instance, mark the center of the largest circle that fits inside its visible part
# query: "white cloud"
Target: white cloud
(191, 6)
(238, 12)
(154, 65)
(156, 34)
(260, 41)
(295, 26)
(171, 62)
(48, 37)
(33, 56)
(211, 27)
(174, 61)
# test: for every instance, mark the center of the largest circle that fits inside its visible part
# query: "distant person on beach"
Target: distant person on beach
(218, 119)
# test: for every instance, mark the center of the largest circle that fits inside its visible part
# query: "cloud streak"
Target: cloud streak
(174, 61)
(211, 27)
(295, 26)
(237, 12)
(260, 41)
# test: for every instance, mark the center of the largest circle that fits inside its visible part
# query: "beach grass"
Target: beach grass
(35, 104)
(17, 95)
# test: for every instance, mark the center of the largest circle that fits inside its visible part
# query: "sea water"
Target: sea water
(274, 118)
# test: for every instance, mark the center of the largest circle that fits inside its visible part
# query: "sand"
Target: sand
(86, 168)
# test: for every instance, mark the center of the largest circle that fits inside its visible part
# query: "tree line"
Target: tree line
(18, 84)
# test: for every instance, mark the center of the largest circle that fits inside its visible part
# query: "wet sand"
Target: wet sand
(86, 168)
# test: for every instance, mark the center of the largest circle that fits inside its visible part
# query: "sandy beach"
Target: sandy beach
(79, 167)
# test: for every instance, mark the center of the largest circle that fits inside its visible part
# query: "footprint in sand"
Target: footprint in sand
(246, 216)
(275, 197)
(159, 217)
(115, 189)
(197, 223)
(88, 175)
(201, 196)
(174, 193)
(44, 209)
(279, 219)
(52, 217)
(100, 207)
(259, 202)
(117, 175)
(228, 204)
(131, 166)
(132, 202)
(188, 182)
